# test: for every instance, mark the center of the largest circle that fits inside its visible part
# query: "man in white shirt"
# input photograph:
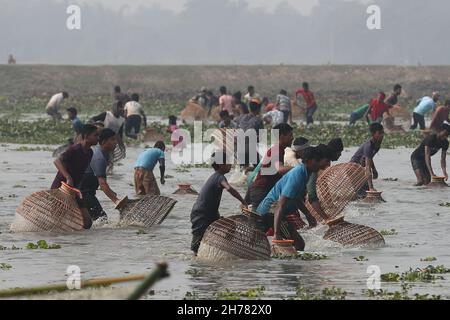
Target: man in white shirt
(134, 114)
(251, 95)
(54, 105)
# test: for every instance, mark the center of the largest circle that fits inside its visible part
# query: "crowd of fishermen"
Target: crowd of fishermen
(278, 197)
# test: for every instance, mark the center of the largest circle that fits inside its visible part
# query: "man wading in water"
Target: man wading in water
(95, 175)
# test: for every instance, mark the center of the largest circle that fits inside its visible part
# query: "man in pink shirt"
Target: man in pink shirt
(226, 101)
(440, 116)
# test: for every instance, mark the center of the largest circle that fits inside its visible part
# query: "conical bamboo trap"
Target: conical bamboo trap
(52, 211)
(152, 135)
(185, 188)
(193, 112)
(400, 119)
(120, 152)
(228, 239)
(349, 234)
(338, 185)
(147, 211)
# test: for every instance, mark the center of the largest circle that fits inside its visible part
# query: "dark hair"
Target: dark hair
(305, 85)
(313, 153)
(283, 129)
(325, 152)
(300, 141)
(397, 86)
(254, 106)
(238, 95)
(224, 113)
(173, 120)
(87, 130)
(160, 145)
(336, 145)
(65, 94)
(117, 89)
(223, 90)
(445, 127)
(72, 110)
(135, 97)
(375, 127)
(283, 92)
(250, 88)
(218, 158)
(105, 134)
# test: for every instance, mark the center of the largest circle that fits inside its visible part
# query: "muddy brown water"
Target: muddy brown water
(108, 251)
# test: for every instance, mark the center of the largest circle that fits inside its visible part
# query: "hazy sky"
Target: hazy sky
(226, 32)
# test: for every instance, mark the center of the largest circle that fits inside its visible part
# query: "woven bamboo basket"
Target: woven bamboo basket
(338, 185)
(193, 112)
(215, 114)
(52, 211)
(283, 247)
(147, 211)
(297, 111)
(227, 240)
(373, 197)
(353, 235)
(438, 182)
(313, 212)
(185, 188)
(120, 152)
(400, 119)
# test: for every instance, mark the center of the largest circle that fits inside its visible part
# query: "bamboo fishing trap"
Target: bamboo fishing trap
(193, 112)
(147, 211)
(338, 185)
(349, 234)
(236, 237)
(398, 121)
(53, 211)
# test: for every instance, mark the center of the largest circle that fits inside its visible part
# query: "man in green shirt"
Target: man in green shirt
(358, 114)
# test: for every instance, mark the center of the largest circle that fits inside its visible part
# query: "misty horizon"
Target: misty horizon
(224, 32)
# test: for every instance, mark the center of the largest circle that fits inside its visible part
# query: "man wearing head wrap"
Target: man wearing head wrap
(293, 155)
(425, 105)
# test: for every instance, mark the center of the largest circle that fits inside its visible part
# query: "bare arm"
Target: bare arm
(107, 190)
(444, 164)
(369, 166)
(62, 168)
(309, 217)
(277, 219)
(428, 161)
(162, 170)
(233, 192)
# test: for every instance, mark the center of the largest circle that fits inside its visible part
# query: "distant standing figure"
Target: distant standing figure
(226, 101)
(77, 124)
(54, 105)
(134, 115)
(425, 105)
(284, 105)
(251, 95)
(144, 179)
(311, 105)
(226, 121)
(11, 59)
(119, 96)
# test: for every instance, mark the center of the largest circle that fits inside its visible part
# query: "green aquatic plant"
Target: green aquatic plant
(42, 244)
(391, 232)
(141, 231)
(361, 258)
(5, 266)
(332, 293)
(254, 293)
(195, 273)
(428, 259)
(191, 296)
(445, 204)
(404, 294)
(428, 274)
(17, 186)
(391, 179)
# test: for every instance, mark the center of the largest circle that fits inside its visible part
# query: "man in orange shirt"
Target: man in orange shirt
(311, 106)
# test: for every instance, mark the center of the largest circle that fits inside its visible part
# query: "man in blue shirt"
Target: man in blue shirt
(425, 105)
(144, 180)
(76, 122)
(289, 194)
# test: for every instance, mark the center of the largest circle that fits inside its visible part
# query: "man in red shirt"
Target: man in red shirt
(377, 108)
(311, 106)
(274, 159)
(440, 116)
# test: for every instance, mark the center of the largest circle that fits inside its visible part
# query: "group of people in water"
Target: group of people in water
(277, 197)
